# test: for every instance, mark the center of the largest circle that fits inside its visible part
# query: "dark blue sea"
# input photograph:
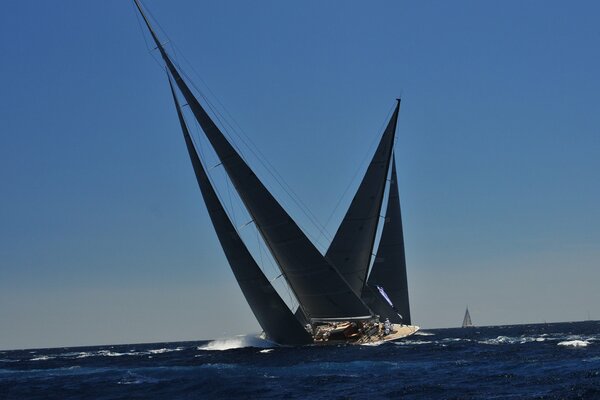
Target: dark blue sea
(543, 361)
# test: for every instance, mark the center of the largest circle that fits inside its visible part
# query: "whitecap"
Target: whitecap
(409, 342)
(75, 354)
(158, 351)
(498, 340)
(512, 340)
(109, 353)
(42, 358)
(423, 333)
(163, 350)
(265, 351)
(237, 343)
(372, 343)
(574, 343)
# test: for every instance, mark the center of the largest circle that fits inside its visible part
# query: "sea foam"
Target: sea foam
(423, 333)
(574, 343)
(164, 350)
(42, 358)
(237, 343)
(512, 340)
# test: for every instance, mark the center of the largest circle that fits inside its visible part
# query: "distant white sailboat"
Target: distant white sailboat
(467, 320)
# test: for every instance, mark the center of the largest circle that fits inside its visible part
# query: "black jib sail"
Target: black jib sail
(389, 267)
(352, 247)
(273, 315)
(318, 286)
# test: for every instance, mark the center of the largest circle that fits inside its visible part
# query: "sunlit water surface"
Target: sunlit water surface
(544, 361)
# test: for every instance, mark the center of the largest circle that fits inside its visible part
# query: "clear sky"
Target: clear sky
(104, 237)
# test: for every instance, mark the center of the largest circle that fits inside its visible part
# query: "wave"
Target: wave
(42, 358)
(373, 343)
(109, 353)
(409, 342)
(512, 340)
(132, 378)
(423, 333)
(237, 342)
(574, 343)
(163, 350)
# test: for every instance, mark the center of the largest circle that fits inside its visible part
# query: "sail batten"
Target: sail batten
(321, 290)
(352, 246)
(273, 315)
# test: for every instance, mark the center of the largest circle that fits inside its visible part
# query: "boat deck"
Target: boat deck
(342, 334)
(398, 332)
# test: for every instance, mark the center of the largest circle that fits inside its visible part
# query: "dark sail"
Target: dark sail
(320, 289)
(352, 247)
(389, 268)
(273, 315)
(376, 302)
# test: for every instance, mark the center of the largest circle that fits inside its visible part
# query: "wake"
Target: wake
(237, 342)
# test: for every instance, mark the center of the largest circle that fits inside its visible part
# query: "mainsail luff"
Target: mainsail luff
(351, 248)
(273, 315)
(389, 267)
(318, 286)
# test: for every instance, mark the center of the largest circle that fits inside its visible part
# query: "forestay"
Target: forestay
(273, 315)
(320, 289)
(389, 267)
(352, 247)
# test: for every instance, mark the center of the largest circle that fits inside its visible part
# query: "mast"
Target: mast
(318, 286)
(273, 315)
(389, 267)
(351, 248)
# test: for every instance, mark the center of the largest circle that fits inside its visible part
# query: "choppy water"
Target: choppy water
(548, 361)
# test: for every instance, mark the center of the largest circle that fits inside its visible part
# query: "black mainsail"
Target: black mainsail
(352, 246)
(273, 315)
(321, 290)
(389, 268)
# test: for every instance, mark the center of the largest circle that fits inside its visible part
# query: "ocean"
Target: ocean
(541, 361)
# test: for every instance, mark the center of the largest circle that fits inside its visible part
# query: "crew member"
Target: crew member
(387, 326)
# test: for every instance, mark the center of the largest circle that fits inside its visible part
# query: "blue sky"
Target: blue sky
(103, 234)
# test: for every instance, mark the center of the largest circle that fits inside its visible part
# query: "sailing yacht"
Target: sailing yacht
(467, 320)
(339, 300)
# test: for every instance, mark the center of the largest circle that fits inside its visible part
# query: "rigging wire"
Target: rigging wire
(143, 33)
(243, 136)
(230, 201)
(271, 170)
(381, 224)
(248, 141)
(286, 286)
(199, 146)
(374, 141)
